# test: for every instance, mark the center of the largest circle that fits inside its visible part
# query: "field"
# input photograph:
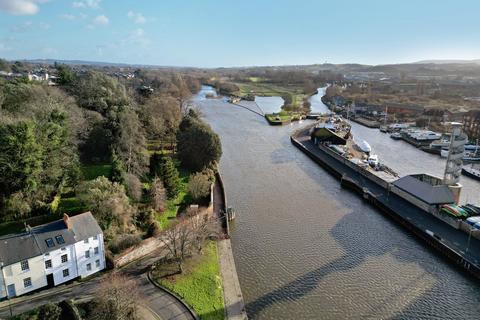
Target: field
(200, 285)
(268, 89)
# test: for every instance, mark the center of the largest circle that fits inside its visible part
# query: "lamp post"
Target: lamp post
(6, 290)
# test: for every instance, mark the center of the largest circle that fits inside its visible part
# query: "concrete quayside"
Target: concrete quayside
(455, 244)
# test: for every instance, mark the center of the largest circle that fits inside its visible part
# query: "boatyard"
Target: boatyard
(424, 204)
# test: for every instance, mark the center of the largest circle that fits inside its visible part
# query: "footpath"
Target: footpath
(234, 305)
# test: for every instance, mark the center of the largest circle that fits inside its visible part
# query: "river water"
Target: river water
(307, 249)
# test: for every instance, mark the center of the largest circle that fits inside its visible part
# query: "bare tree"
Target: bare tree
(158, 194)
(116, 299)
(189, 234)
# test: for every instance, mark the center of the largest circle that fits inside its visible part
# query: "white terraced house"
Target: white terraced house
(51, 254)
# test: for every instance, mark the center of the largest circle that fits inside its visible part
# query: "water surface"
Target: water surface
(307, 249)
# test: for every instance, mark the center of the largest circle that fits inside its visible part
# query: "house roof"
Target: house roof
(15, 248)
(430, 194)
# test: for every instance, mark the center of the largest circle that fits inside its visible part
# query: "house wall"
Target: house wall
(14, 275)
(82, 261)
(58, 266)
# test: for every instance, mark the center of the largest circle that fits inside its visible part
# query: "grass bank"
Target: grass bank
(283, 117)
(257, 87)
(200, 285)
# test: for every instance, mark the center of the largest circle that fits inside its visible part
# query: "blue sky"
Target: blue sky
(217, 33)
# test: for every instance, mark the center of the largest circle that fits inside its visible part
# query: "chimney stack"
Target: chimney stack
(66, 220)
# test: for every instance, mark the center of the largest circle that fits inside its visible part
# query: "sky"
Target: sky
(224, 33)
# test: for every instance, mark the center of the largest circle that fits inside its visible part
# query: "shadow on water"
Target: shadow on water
(375, 241)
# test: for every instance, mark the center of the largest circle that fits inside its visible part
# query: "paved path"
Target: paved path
(232, 293)
(235, 307)
(155, 300)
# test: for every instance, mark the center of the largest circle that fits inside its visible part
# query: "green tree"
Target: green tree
(50, 311)
(170, 177)
(198, 146)
(129, 142)
(66, 76)
(119, 174)
(99, 92)
(20, 158)
(164, 167)
(108, 202)
(199, 186)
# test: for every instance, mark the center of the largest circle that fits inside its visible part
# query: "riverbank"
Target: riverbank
(440, 236)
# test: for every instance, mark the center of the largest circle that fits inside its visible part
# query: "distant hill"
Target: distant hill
(475, 61)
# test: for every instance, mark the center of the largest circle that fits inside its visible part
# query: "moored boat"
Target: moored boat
(471, 172)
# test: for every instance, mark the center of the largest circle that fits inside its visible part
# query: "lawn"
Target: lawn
(200, 285)
(93, 171)
(173, 205)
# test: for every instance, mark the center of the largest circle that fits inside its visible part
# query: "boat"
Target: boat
(364, 146)
(373, 160)
(471, 156)
(471, 172)
(396, 136)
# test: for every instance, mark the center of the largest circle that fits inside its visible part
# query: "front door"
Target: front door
(11, 290)
(50, 281)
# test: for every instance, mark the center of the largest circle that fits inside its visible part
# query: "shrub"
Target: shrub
(50, 311)
(154, 229)
(134, 187)
(199, 185)
(123, 242)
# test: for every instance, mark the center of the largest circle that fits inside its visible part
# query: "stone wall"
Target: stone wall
(151, 244)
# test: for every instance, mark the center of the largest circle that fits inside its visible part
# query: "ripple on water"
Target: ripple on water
(307, 249)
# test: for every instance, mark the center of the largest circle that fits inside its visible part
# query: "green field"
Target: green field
(282, 117)
(268, 89)
(200, 285)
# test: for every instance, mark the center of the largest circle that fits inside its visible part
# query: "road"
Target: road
(157, 300)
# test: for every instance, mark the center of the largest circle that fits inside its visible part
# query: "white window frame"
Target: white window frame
(24, 265)
(68, 273)
(27, 282)
(50, 262)
(66, 258)
(97, 263)
(96, 250)
(87, 254)
(89, 267)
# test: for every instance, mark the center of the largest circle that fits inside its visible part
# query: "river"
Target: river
(307, 249)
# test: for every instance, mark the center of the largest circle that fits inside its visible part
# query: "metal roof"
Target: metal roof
(19, 247)
(438, 194)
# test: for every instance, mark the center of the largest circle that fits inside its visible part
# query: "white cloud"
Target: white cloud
(19, 7)
(67, 16)
(100, 21)
(136, 37)
(93, 4)
(136, 17)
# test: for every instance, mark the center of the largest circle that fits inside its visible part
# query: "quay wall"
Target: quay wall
(435, 243)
